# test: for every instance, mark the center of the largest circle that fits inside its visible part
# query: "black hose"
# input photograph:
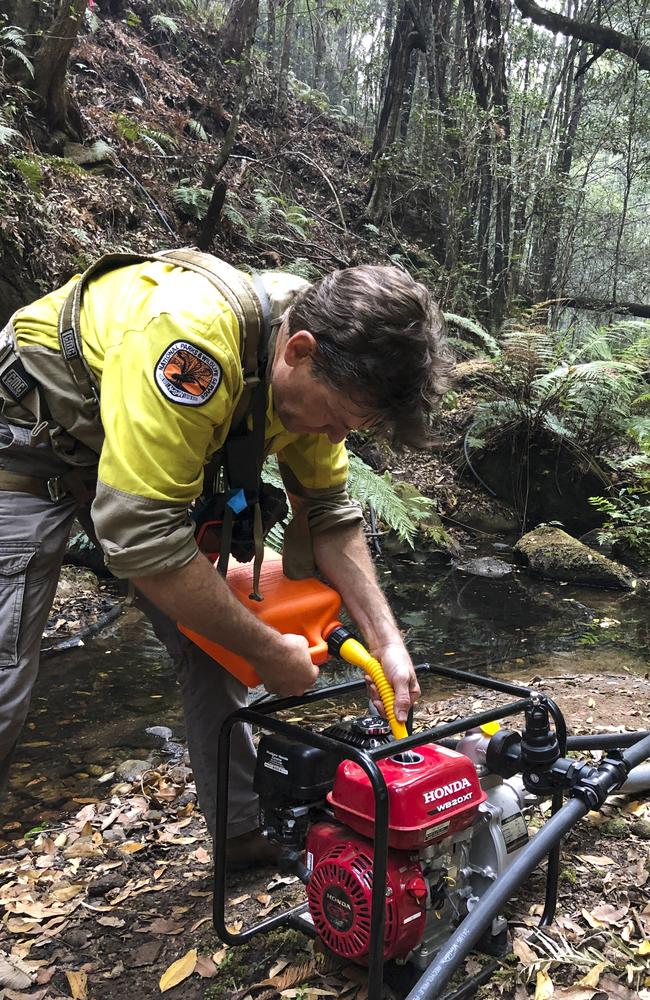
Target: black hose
(601, 782)
(471, 985)
(78, 639)
(605, 741)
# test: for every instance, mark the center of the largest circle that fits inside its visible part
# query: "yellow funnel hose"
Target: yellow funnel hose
(353, 652)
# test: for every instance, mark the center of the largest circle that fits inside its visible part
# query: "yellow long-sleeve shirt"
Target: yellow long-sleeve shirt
(163, 346)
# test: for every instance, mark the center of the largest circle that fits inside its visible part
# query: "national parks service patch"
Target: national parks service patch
(187, 375)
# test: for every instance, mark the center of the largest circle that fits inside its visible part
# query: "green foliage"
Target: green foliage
(581, 395)
(399, 505)
(7, 133)
(133, 20)
(13, 43)
(135, 131)
(486, 341)
(193, 201)
(317, 100)
(233, 214)
(272, 213)
(31, 169)
(166, 24)
(304, 268)
(207, 14)
(627, 519)
(197, 131)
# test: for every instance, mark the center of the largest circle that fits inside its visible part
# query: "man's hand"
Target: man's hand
(286, 668)
(400, 673)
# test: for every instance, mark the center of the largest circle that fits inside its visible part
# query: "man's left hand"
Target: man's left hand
(400, 673)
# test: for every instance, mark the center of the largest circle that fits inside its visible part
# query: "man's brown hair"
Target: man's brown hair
(381, 339)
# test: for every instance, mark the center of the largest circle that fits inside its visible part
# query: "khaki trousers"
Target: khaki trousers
(33, 536)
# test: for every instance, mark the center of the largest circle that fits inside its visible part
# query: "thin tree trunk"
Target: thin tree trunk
(283, 79)
(238, 27)
(319, 45)
(51, 66)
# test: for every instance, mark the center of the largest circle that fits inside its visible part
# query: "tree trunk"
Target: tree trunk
(319, 45)
(50, 70)
(271, 15)
(405, 39)
(238, 28)
(556, 210)
(283, 79)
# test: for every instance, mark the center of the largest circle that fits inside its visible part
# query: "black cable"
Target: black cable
(471, 467)
(73, 641)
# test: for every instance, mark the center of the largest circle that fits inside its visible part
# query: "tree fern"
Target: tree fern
(402, 510)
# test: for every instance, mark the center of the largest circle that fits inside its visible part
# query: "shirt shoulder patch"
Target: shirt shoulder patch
(187, 375)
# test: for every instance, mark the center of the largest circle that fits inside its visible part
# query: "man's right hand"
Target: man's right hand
(286, 668)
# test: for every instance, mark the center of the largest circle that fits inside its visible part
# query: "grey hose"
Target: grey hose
(603, 780)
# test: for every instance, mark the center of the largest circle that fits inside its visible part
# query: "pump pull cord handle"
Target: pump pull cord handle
(342, 643)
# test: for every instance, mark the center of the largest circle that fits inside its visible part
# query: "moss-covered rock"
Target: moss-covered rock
(552, 553)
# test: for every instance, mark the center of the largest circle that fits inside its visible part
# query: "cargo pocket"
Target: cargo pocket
(14, 560)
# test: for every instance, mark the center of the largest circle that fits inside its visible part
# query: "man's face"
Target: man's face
(305, 404)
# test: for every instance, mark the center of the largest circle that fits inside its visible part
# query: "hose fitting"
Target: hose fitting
(342, 643)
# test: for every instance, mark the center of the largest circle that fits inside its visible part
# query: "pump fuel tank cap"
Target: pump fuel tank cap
(371, 725)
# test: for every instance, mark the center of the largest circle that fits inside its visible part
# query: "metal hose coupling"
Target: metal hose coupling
(341, 642)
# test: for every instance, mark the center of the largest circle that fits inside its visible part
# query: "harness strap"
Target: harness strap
(55, 488)
(229, 282)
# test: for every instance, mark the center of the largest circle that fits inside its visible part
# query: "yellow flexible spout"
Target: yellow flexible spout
(353, 652)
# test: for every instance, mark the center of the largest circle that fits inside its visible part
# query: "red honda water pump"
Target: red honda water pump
(446, 841)
(409, 850)
(434, 795)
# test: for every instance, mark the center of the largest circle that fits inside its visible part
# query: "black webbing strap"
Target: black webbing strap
(14, 377)
(243, 452)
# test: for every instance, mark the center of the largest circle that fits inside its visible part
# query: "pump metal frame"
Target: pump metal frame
(262, 714)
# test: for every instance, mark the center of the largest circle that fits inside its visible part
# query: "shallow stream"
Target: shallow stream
(93, 705)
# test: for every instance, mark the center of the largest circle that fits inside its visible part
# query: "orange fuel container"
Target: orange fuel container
(302, 607)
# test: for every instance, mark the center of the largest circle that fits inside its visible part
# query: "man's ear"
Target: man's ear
(299, 348)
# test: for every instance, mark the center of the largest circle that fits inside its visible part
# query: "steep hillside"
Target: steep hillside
(154, 116)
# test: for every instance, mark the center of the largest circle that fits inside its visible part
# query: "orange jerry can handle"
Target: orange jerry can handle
(302, 607)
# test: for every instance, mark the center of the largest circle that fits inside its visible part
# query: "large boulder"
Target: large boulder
(552, 553)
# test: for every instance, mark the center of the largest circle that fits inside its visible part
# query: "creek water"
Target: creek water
(92, 706)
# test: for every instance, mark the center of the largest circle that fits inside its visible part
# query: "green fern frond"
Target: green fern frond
(399, 505)
(485, 339)
(303, 268)
(166, 23)
(196, 129)
(400, 513)
(162, 140)
(234, 216)
(7, 133)
(193, 201)
(20, 55)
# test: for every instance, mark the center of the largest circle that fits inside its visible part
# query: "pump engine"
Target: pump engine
(454, 827)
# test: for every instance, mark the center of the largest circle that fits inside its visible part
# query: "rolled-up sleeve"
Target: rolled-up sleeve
(139, 536)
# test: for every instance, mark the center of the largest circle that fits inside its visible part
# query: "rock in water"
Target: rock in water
(487, 566)
(552, 553)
